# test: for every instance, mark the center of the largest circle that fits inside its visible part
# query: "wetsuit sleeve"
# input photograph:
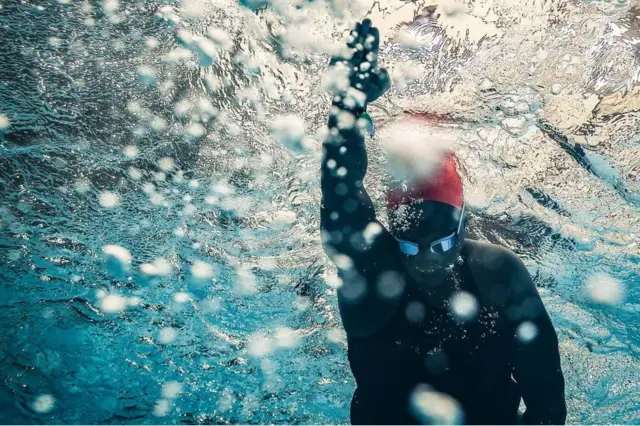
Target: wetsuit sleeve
(352, 237)
(535, 357)
(346, 206)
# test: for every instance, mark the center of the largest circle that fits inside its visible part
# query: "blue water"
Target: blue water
(76, 101)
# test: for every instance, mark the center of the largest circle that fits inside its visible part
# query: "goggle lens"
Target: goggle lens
(444, 246)
(409, 248)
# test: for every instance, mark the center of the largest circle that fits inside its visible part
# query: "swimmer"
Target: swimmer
(423, 306)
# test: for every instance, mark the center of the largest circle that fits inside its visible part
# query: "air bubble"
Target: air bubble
(159, 267)
(371, 232)
(432, 407)
(202, 271)
(287, 338)
(260, 345)
(5, 123)
(44, 403)
(283, 219)
(464, 305)
(117, 259)
(526, 332)
(604, 289)
(290, 131)
(171, 389)
(147, 74)
(113, 303)
(161, 408)
(167, 335)
(109, 200)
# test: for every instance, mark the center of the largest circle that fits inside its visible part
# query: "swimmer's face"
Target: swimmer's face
(423, 223)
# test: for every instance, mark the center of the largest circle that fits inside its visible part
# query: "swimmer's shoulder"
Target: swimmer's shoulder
(495, 270)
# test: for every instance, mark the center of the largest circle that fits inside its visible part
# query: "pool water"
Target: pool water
(173, 130)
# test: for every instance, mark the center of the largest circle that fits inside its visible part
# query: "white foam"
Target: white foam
(182, 107)
(189, 210)
(222, 188)
(205, 49)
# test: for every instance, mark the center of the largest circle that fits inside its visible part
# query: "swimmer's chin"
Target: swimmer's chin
(436, 271)
(427, 272)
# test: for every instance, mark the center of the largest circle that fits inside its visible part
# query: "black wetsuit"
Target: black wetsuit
(474, 362)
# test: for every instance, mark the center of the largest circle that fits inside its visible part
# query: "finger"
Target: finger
(357, 29)
(375, 44)
(366, 27)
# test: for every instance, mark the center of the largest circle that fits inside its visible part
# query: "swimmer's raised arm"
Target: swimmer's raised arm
(346, 206)
(345, 202)
(351, 234)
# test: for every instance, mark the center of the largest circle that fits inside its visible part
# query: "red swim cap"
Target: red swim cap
(444, 185)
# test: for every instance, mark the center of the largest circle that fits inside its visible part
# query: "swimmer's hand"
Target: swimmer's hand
(366, 82)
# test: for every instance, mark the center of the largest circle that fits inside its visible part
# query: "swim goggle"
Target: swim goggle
(439, 246)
